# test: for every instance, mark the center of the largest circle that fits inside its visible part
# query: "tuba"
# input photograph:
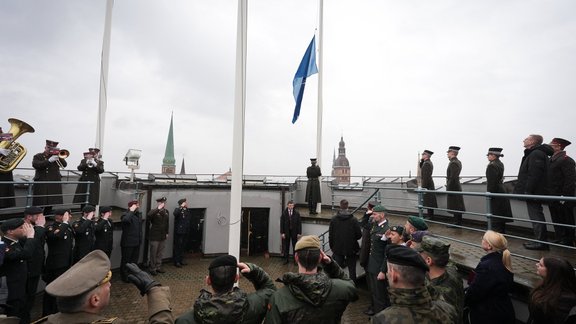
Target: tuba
(17, 151)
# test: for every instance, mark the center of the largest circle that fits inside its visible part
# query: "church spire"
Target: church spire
(169, 162)
(183, 168)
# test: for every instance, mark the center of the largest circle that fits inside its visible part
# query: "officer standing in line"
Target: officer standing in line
(104, 231)
(376, 275)
(60, 241)
(182, 219)
(84, 233)
(159, 222)
(35, 217)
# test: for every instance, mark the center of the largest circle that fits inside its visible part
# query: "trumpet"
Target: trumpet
(62, 154)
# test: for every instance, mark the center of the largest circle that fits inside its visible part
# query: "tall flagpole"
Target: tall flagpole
(103, 98)
(238, 132)
(320, 60)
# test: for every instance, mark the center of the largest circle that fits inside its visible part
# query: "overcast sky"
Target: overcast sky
(399, 77)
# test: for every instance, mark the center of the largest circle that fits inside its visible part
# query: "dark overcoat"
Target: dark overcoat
(426, 170)
(455, 202)
(89, 174)
(495, 184)
(47, 194)
(562, 175)
(104, 234)
(84, 238)
(313, 185)
(343, 234)
(7, 190)
(533, 172)
(131, 229)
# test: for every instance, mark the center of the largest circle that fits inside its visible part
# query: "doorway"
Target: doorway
(254, 231)
(196, 230)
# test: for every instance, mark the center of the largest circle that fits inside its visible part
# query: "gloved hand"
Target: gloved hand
(4, 152)
(142, 280)
(53, 158)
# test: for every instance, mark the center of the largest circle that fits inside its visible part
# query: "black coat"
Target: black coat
(60, 241)
(89, 174)
(494, 184)
(285, 227)
(7, 190)
(131, 229)
(562, 179)
(313, 186)
(344, 233)
(455, 202)
(378, 243)
(426, 170)
(366, 226)
(533, 172)
(15, 267)
(104, 234)
(488, 296)
(36, 263)
(84, 238)
(47, 171)
(182, 220)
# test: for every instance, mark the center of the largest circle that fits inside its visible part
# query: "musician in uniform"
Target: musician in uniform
(313, 195)
(35, 217)
(182, 218)
(15, 266)
(104, 231)
(6, 190)
(159, 222)
(84, 233)
(60, 240)
(83, 293)
(91, 167)
(47, 165)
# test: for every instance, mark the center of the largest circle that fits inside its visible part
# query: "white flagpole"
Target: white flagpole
(320, 60)
(238, 132)
(103, 98)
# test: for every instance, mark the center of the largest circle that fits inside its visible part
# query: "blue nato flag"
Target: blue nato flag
(307, 68)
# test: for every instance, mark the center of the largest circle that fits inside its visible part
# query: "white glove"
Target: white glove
(4, 152)
(53, 158)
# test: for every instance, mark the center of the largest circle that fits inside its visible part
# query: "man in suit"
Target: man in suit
(290, 229)
(376, 270)
(454, 202)
(426, 170)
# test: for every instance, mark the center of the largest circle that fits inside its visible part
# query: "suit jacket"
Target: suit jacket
(344, 233)
(285, 221)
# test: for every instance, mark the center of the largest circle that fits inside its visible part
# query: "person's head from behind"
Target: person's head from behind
(308, 253)
(85, 287)
(406, 268)
(222, 274)
(434, 251)
(495, 242)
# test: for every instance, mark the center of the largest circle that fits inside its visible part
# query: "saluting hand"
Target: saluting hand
(28, 229)
(244, 268)
(41, 220)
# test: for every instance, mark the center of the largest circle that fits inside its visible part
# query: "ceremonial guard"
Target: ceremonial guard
(15, 266)
(454, 202)
(426, 170)
(60, 241)
(499, 206)
(84, 233)
(91, 166)
(104, 231)
(562, 182)
(313, 196)
(182, 218)
(47, 165)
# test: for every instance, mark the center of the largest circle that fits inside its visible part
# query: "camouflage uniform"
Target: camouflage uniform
(451, 290)
(235, 306)
(312, 298)
(414, 306)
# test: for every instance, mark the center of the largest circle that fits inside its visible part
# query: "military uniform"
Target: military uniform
(89, 174)
(104, 235)
(426, 170)
(414, 306)
(84, 234)
(499, 206)
(313, 195)
(377, 264)
(235, 306)
(182, 221)
(36, 264)
(454, 202)
(47, 194)
(451, 289)
(159, 227)
(131, 238)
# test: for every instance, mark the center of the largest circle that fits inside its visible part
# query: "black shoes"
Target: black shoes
(536, 246)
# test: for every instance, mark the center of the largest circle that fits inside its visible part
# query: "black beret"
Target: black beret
(61, 211)
(223, 260)
(88, 209)
(33, 210)
(105, 209)
(181, 201)
(403, 255)
(11, 224)
(161, 199)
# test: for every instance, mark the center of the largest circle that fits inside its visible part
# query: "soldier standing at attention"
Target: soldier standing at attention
(84, 233)
(454, 202)
(426, 170)
(313, 196)
(159, 221)
(376, 270)
(104, 231)
(182, 223)
(35, 217)
(499, 206)
(60, 241)
(411, 301)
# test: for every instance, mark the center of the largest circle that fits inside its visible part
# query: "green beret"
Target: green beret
(398, 229)
(434, 246)
(379, 209)
(11, 224)
(307, 242)
(403, 255)
(418, 223)
(223, 260)
(90, 272)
